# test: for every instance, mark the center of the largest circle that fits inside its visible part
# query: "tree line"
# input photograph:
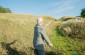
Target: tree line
(5, 10)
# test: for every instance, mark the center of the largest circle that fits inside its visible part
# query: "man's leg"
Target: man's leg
(41, 52)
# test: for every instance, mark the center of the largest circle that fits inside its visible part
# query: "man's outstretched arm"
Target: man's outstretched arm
(47, 24)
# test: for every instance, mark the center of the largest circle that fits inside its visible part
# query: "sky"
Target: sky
(54, 8)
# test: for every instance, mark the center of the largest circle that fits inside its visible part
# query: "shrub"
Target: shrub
(74, 30)
(83, 13)
(5, 10)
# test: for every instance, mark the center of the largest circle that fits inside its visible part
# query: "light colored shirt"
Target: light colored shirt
(40, 36)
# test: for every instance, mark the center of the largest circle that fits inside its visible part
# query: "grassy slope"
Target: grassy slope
(20, 27)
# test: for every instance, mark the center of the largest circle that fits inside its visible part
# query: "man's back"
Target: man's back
(38, 39)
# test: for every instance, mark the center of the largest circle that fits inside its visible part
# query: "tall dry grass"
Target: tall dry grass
(20, 27)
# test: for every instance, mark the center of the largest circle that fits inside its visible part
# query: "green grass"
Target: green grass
(72, 43)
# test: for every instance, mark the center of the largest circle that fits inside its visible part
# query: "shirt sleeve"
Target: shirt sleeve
(43, 34)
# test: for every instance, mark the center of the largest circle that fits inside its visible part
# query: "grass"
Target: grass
(73, 37)
(20, 27)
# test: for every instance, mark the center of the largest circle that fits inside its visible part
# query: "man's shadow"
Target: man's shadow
(10, 50)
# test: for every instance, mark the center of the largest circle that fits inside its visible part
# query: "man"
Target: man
(39, 37)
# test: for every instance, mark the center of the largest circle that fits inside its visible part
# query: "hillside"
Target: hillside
(20, 27)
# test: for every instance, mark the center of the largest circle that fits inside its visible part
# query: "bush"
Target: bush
(4, 10)
(83, 13)
(66, 19)
(74, 30)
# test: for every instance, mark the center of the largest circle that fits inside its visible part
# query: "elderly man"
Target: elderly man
(39, 37)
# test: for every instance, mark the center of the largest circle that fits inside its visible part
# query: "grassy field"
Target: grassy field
(20, 27)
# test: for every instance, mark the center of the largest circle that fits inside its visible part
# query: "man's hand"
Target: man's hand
(48, 23)
(51, 45)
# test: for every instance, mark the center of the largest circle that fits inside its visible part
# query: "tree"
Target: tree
(5, 10)
(83, 12)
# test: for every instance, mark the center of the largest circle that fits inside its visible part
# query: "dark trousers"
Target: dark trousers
(39, 52)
